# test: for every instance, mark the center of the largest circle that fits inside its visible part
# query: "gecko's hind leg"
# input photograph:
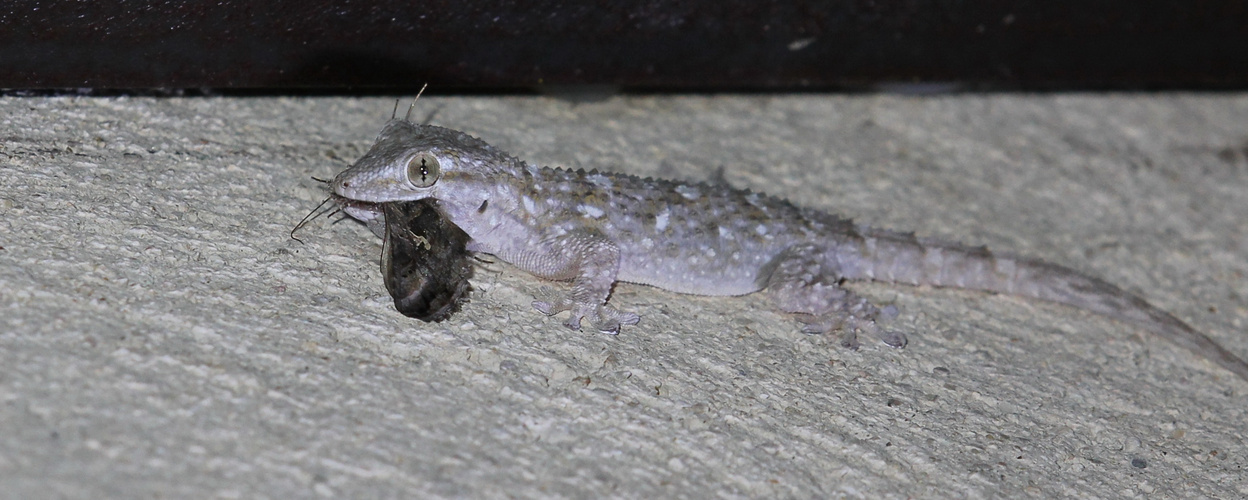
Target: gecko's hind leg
(592, 262)
(803, 283)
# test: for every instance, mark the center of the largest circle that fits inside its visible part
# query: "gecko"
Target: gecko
(595, 229)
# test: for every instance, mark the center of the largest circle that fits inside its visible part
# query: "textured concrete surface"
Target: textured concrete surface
(161, 336)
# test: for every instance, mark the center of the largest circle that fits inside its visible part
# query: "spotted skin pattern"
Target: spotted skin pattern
(595, 229)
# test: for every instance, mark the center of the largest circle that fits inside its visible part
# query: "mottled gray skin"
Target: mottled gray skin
(708, 239)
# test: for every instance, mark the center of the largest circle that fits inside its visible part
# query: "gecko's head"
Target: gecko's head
(412, 162)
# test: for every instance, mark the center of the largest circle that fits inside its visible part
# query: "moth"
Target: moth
(425, 262)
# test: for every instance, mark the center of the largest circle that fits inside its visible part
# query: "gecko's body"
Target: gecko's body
(599, 228)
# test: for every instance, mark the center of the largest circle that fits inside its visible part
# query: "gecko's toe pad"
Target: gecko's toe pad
(602, 317)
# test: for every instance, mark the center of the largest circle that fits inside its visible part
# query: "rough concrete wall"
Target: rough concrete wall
(162, 336)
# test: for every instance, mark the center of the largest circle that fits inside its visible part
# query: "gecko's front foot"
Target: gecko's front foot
(602, 317)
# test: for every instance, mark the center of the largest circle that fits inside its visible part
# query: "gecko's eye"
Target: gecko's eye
(422, 170)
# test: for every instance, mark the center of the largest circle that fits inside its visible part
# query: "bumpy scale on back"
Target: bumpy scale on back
(597, 228)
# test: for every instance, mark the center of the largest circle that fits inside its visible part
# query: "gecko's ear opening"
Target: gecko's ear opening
(423, 170)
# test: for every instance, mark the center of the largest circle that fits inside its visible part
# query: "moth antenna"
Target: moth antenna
(307, 218)
(396, 109)
(408, 116)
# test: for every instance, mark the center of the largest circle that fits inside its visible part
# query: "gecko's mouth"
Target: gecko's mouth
(364, 211)
(348, 203)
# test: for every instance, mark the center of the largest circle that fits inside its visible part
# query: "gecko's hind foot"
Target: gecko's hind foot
(602, 317)
(892, 338)
(803, 281)
(849, 327)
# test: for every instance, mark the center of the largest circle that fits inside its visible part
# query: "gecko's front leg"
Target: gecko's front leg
(592, 262)
(803, 281)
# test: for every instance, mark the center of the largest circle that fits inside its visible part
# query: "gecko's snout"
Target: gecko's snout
(346, 184)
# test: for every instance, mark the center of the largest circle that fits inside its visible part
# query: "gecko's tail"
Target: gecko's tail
(902, 258)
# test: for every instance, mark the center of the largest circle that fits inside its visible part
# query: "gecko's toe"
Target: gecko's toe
(849, 339)
(551, 303)
(553, 308)
(609, 320)
(868, 325)
(612, 325)
(893, 339)
(819, 325)
(573, 322)
(547, 308)
(609, 328)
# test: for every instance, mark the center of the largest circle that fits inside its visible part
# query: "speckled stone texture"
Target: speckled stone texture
(161, 336)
